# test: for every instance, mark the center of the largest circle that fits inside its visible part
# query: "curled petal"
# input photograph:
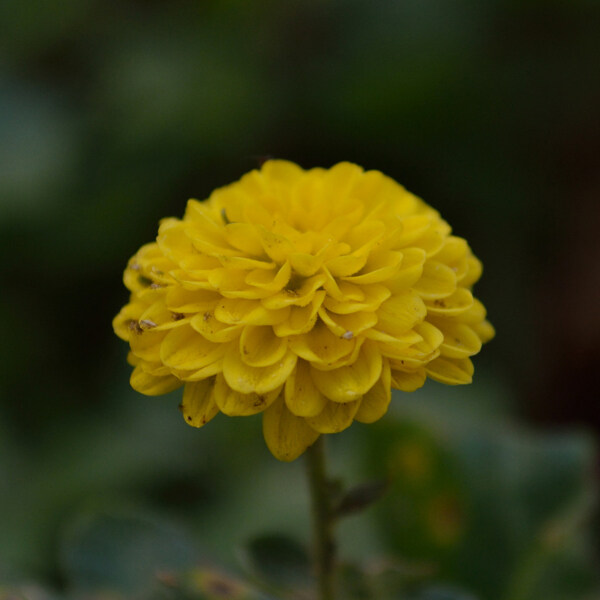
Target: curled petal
(374, 295)
(349, 383)
(408, 381)
(236, 404)
(198, 405)
(375, 402)
(301, 318)
(151, 385)
(450, 370)
(380, 267)
(184, 348)
(400, 313)
(485, 330)
(409, 272)
(260, 347)
(287, 436)
(248, 312)
(457, 303)
(320, 345)
(460, 341)
(209, 327)
(335, 417)
(437, 281)
(302, 396)
(260, 380)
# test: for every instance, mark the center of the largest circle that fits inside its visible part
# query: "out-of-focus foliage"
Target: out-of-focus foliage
(112, 114)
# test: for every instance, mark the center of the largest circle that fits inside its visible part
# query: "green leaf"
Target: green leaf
(277, 561)
(124, 554)
(493, 507)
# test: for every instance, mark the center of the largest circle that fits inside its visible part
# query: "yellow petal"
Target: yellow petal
(400, 313)
(364, 236)
(281, 171)
(343, 266)
(301, 296)
(348, 326)
(344, 361)
(437, 281)
(335, 417)
(277, 247)
(433, 241)
(260, 380)
(236, 404)
(475, 314)
(455, 304)
(409, 272)
(271, 281)
(485, 330)
(125, 322)
(231, 283)
(432, 336)
(286, 435)
(180, 300)
(342, 291)
(260, 347)
(243, 262)
(172, 240)
(353, 381)
(151, 385)
(301, 395)
(301, 318)
(214, 330)
(240, 311)
(339, 180)
(413, 227)
(146, 344)
(244, 237)
(305, 265)
(474, 270)
(451, 371)
(403, 340)
(157, 318)
(454, 254)
(408, 381)
(320, 345)
(376, 401)
(375, 294)
(460, 341)
(380, 267)
(203, 373)
(198, 405)
(184, 348)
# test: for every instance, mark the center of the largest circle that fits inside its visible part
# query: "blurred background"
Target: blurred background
(113, 114)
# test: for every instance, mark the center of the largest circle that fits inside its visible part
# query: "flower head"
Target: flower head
(305, 296)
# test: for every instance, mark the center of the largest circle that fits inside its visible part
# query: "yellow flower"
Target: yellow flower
(304, 295)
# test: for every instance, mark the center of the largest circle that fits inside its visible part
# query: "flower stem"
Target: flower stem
(323, 519)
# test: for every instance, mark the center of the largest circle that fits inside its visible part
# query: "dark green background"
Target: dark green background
(112, 114)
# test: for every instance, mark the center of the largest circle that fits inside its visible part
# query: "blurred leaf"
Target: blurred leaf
(209, 583)
(360, 497)
(125, 554)
(278, 561)
(441, 593)
(491, 506)
(27, 591)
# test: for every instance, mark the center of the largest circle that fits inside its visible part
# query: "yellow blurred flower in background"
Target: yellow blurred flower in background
(304, 295)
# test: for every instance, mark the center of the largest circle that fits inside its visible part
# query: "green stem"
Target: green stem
(323, 520)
